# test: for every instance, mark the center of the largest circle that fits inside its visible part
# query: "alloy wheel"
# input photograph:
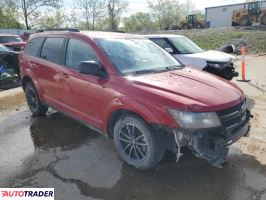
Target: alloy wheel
(32, 98)
(133, 142)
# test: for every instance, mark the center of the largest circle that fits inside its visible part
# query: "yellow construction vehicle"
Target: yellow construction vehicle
(192, 22)
(252, 13)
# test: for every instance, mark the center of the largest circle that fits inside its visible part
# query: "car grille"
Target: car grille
(233, 117)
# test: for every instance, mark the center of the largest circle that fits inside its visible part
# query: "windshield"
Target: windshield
(3, 48)
(185, 45)
(8, 39)
(137, 56)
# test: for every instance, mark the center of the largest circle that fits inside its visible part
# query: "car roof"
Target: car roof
(110, 35)
(5, 34)
(162, 36)
(90, 34)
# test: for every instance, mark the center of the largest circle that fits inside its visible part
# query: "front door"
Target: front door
(82, 94)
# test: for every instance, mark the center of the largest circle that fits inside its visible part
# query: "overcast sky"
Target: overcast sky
(142, 6)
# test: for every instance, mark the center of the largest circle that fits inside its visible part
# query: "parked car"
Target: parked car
(9, 59)
(130, 89)
(13, 42)
(9, 70)
(187, 52)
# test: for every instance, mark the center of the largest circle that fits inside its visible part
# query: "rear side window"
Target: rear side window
(77, 52)
(33, 47)
(52, 49)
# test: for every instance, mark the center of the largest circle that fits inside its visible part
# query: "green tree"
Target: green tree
(137, 22)
(102, 24)
(52, 19)
(8, 20)
(166, 13)
(29, 9)
(9, 15)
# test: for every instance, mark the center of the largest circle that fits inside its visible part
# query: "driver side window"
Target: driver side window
(161, 42)
(77, 52)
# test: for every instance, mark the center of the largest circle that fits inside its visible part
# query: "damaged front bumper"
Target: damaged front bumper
(227, 71)
(212, 144)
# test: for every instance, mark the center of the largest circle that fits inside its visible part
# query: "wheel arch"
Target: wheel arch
(25, 80)
(30, 78)
(115, 115)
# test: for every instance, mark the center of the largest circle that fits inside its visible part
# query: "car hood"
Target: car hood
(212, 55)
(190, 89)
(200, 59)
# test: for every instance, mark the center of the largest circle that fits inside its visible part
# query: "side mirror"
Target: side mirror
(91, 68)
(169, 50)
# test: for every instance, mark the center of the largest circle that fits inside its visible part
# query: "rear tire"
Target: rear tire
(136, 143)
(33, 100)
(198, 26)
(263, 19)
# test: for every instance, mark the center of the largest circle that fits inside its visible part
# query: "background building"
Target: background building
(221, 16)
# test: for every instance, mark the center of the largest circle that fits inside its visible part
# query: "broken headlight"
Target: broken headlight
(192, 120)
(218, 65)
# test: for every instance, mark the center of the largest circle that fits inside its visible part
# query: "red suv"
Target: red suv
(130, 89)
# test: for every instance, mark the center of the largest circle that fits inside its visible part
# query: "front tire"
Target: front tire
(136, 143)
(244, 21)
(33, 100)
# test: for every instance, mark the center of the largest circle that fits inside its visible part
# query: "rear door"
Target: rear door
(48, 70)
(82, 94)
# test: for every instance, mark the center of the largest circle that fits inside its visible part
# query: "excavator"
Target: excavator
(252, 13)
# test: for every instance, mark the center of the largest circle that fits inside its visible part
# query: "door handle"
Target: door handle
(65, 75)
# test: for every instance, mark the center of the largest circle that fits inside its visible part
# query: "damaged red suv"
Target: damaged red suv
(130, 89)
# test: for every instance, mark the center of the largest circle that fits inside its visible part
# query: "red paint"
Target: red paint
(92, 99)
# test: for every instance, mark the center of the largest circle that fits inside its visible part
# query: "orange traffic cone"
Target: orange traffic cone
(243, 64)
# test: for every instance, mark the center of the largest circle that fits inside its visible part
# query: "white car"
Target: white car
(188, 53)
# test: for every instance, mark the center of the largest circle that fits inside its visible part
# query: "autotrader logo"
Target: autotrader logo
(27, 193)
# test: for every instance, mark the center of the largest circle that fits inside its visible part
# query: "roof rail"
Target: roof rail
(58, 29)
(115, 31)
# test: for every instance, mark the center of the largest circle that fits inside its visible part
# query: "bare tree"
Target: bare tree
(166, 13)
(30, 8)
(93, 10)
(189, 7)
(115, 9)
(157, 6)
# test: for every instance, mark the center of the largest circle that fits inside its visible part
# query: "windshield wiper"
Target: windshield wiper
(145, 71)
(148, 71)
(169, 68)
